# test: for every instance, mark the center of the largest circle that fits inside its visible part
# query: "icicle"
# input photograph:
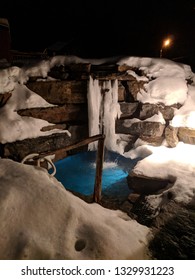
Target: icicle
(94, 102)
(111, 113)
(103, 110)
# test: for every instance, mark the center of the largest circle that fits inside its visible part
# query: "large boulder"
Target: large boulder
(139, 128)
(146, 185)
(44, 144)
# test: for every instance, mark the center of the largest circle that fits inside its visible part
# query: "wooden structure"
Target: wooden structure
(99, 160)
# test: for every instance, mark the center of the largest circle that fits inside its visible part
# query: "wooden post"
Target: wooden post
(99, 168)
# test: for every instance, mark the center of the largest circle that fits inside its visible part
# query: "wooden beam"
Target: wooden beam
(99, 168)
(77, 144)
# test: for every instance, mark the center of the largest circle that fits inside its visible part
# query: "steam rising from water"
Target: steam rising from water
(107, 164)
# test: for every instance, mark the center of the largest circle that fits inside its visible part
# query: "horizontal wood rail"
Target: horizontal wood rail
(84, 142)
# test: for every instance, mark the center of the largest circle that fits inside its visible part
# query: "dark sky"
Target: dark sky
(103, 28)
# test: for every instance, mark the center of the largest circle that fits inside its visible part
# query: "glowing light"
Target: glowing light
(166, 43)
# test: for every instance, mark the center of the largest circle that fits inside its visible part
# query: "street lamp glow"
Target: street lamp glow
(166, 43)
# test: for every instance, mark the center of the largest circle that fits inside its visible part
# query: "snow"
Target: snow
(166, 90)
(176, 164)
(52, 221)
(167, 84)
(185, 116)
(158, 67)
(13, 127)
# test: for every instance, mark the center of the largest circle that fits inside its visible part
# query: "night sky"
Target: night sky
(103, 28)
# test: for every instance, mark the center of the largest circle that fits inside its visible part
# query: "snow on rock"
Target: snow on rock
(176, 164)
(166, 90)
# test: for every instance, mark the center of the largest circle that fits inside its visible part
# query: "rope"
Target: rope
(39, 160)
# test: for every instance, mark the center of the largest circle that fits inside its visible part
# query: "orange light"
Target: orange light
(166, 43)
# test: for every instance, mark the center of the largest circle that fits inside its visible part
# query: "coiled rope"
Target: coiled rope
(39, 160)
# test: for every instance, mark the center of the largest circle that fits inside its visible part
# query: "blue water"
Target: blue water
(77, 172)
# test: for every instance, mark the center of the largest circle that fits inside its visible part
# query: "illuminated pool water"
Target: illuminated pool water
(77, 172)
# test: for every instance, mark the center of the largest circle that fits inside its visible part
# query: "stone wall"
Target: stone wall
(70, 113)
(69, 95)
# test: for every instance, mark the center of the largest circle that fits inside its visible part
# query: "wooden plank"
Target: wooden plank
(83, 142)
(99, 168)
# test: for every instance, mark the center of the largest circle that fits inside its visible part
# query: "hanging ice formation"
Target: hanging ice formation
(103, 110)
